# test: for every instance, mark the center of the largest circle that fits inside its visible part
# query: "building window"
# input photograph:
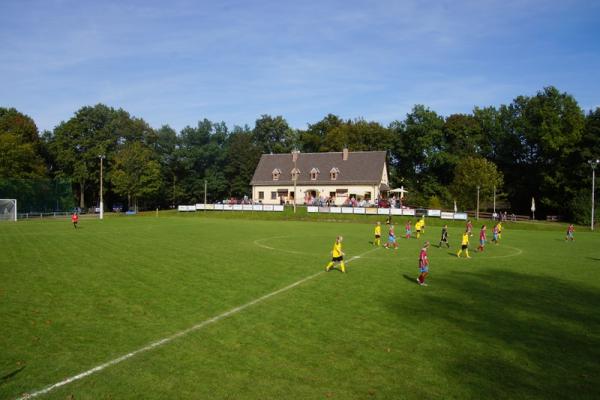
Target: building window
(276, 173)
(333, 173)
(261, 195)
(314, 174)
(273, 195)
(367, 196)
(295, 174)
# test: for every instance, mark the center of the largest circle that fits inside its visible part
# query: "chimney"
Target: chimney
(295, 154)
(345, 154)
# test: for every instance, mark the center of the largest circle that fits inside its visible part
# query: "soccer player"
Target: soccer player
(470, 228)
(377, 241)
(570, 231)
(418, 228)
(423, 265)
(391, 239)
(444, 238)
(464, 245)
(337, 255)
(408, 229)
(499, 230)
(495, 234)
(423, 224)
(75, 219)
(482, 237)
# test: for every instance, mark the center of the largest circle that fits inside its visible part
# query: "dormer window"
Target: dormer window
(276, 173)
(295, 174)
(314, 173)
(333, 174)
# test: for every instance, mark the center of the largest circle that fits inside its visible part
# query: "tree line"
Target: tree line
(536, 146)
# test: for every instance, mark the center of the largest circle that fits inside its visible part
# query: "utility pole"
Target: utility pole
(593, 164)
(477, 214)
(295, 175)
(102, 157)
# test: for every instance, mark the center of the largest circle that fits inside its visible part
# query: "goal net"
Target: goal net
(8, 210)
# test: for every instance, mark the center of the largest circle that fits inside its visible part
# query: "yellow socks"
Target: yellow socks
(343, 267)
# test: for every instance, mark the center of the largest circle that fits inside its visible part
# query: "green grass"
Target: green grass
(518, 321)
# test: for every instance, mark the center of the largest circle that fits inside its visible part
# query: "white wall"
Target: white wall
(358, 190)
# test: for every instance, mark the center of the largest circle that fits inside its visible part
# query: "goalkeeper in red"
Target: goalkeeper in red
(337, 255)
(423, 265)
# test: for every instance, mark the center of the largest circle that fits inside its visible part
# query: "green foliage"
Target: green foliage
(434, 203)
(471, 173)
(274, 135)
(135, 173)
(20, 147)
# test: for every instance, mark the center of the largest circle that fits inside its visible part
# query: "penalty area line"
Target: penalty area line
(179, 334)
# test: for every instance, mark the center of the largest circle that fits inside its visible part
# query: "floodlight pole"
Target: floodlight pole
(477, 213)
(593, 164)
(102, 157)
(205, 184)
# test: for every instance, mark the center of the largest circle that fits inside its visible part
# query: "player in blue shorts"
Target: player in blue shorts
(391, 239)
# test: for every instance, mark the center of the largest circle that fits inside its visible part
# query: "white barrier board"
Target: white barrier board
(257, 207)
(461, 216)
(267, 207)
(312, 209)
(277, 208)
(237, 207)
(434, 213)
(447, 215)
(335, 210)
(396, 211)
(383, 211)
(408, 211)
(359, 210)
(347, 210)
(247, 207)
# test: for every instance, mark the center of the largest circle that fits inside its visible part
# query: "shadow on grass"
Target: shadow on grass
(510, 335)
(6, 377)
(411, 279)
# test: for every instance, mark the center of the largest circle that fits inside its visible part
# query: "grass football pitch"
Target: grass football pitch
(521, 320)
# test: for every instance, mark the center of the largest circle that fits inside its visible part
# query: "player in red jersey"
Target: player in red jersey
(570, 231)
(408, 230)
(495, 234)
(482, 237)
(391, 239)
(75, 219)
(423, 265)
(469, 228)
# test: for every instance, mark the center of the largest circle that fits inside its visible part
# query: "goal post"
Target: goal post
(8, 209)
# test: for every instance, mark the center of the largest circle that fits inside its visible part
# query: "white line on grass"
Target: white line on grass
(168, 339)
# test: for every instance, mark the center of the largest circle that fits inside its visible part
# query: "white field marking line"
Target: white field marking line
(168, 339)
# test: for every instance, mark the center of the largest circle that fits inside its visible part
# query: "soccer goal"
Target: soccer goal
(8, 210)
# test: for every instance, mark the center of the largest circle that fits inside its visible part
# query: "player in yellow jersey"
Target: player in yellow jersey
(464, 245)
(418, 227)
(377, 241)
(337, 255)
(499, 230)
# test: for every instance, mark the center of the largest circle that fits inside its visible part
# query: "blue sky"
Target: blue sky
(177, 62)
